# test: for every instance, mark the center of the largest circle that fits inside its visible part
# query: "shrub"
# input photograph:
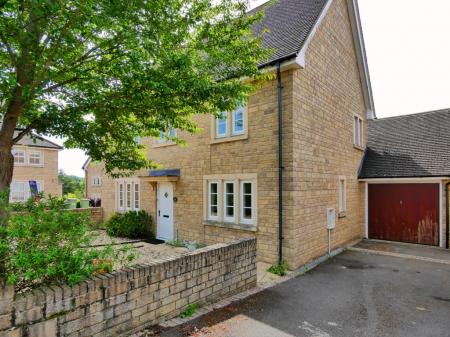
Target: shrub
(132, 225)
(47, 244)
(280, 269)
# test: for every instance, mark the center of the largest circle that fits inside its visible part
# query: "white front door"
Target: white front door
(164, 212)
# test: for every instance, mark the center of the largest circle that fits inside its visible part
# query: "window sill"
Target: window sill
(342, 214)
(230, 225)
(164, 144)
(358, 147)
(228, 139)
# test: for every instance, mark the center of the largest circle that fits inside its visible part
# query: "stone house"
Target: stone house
(279, 167)
(35, 159)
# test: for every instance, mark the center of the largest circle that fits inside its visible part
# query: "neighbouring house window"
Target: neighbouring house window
(238, 121)
(20, 190)
(137, 140)
(96, 181)
(128, 196)
(222, 125)
(136, 196)
(231, 124)
(342, 196)
(213, 204)
(19, 156)
(35, 158)
(229, 201)
(246, 202)
(121, 196)
(358, 131)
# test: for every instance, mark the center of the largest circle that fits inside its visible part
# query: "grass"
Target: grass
(280, 269)
(190, 310)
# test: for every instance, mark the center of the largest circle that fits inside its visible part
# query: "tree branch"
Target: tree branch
(9, 49)
(24, 132)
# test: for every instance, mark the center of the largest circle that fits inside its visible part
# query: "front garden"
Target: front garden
(45, 243)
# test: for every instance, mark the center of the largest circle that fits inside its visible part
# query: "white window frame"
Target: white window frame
(243, 220)
(342, 190)
(128, 196)
(163, 135)
(26, 189)
(225, 205)
(358, 127)
(210, 216)
(224, 119)
(233, 121)
(40, 156)
(136, 196)
(121, 196)
(96, 181)
(14, 152)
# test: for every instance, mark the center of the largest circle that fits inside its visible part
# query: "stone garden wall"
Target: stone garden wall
(130, 299)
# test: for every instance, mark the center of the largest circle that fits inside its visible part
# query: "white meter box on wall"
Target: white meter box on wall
(331, 218)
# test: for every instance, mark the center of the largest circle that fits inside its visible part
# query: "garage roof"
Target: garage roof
(416, 145)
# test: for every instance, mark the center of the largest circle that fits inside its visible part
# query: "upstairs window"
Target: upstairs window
(231, 125)
(96, 181)
(35, 158)
(222, 125)
(19, 156)
(167, 136)
(357, 131)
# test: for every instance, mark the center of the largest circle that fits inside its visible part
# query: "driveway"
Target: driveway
(354, 294)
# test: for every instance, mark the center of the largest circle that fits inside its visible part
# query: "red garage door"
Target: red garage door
(404, 212)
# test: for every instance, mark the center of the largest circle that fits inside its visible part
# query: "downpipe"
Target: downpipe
(280, 164)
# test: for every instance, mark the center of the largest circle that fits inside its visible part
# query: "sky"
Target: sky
(408, 51)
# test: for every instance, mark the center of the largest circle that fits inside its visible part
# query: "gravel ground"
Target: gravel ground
(146, 252)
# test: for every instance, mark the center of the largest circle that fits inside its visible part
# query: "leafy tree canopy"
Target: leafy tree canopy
(100, 72)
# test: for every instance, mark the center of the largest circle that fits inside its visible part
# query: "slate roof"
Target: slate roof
(288, 24)
(37, 141)
(415, 145)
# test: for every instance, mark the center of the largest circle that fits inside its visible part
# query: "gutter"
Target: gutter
(280, 165)
(447, 219)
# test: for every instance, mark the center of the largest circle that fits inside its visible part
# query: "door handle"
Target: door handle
(166, 216)
(159, 213)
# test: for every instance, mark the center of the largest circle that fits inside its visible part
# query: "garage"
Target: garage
(404, 212)
(406, 173)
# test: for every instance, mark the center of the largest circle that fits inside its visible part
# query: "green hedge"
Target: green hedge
(132, 225)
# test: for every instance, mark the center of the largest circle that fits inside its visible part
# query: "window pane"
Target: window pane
(247, 200)
(230, 199)
(221, 125)
(229, 188)
(230, 212)
(213, 210)
(213, 188)
(238, 120)
(247, 213)
(213, 199)
(247, 188)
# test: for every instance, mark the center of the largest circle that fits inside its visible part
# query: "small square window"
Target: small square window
(96, 181)
(167, 136)
(35, 158)
(19, 156)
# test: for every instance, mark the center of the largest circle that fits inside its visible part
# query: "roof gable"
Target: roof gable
(36, 141)
(407, 146)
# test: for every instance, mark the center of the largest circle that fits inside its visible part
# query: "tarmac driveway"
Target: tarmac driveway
(354, 294)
